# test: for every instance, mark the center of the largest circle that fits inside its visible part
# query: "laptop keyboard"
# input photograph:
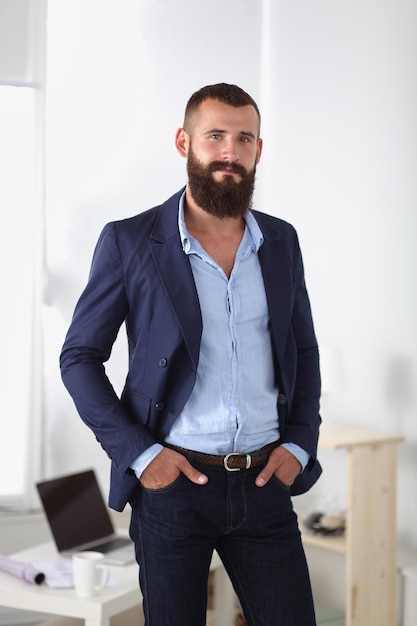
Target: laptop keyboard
(112, 544)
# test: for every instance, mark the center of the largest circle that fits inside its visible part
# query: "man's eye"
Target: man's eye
(215, 136)
(244, 139)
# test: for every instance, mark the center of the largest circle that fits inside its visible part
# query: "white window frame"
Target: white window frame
(22, 201)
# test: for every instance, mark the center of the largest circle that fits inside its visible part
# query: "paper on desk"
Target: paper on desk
(21, 570)
(58, 573)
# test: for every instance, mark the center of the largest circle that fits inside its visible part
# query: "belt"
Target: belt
(232, 462)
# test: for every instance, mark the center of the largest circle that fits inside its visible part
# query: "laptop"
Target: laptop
(79, 518)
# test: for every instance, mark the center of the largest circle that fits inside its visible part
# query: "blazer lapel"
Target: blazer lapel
(175, 272)
(277, 275)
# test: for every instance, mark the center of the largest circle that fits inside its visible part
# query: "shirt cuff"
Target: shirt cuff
(301, 455)
(145, 458)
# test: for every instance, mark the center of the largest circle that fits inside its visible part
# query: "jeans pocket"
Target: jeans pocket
(280, 483)
(166, 487)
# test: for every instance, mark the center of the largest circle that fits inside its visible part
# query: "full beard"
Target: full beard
(225, 198)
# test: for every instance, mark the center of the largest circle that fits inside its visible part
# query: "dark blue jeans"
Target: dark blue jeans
(255, 533)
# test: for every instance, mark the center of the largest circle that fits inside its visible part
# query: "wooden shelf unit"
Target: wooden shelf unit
(370, 540)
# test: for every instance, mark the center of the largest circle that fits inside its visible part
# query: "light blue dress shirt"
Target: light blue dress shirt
(233, 405)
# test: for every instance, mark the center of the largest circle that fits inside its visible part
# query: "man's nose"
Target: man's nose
(230, 150)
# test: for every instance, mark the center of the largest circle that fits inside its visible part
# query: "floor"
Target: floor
(325, 617)
(133, 617)
(329, 617)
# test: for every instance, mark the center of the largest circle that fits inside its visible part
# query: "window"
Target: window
(19, 270)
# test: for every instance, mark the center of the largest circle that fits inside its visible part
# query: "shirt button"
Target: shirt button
(163, 362)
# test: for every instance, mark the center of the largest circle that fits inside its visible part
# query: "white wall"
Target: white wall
(336, 82)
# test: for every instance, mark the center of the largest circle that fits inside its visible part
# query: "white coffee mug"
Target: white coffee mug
(88, 573)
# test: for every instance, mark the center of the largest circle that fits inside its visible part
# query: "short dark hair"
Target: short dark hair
(223, 92)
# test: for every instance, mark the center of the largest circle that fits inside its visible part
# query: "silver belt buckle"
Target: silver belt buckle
(236, 469)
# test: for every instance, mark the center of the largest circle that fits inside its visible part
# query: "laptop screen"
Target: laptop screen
(75, 509)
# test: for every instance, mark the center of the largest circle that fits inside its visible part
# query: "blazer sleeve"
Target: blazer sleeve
(303, 419)
(99, 314)
(307, 383)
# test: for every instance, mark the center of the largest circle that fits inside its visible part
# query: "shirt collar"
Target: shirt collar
(251, 224)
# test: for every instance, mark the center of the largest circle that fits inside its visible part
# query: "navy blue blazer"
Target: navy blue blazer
(141, 276)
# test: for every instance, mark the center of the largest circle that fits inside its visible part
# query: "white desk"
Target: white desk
(97, 610)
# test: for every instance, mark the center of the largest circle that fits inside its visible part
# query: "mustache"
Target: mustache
(234, 167)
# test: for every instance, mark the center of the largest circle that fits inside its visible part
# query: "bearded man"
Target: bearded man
(218, 422)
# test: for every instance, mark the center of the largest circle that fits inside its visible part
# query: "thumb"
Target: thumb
(263, 477)
(193, 474)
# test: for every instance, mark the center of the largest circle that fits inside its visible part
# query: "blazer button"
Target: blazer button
(282, 399)
(159, 406)
(163, 362)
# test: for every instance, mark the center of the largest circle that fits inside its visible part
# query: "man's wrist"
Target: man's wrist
(143, 460)
(301, 455)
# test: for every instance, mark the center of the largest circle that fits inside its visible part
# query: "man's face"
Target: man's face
(222, 150)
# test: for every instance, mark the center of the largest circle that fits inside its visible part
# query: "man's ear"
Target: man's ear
(182, 142)
(259, 151)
